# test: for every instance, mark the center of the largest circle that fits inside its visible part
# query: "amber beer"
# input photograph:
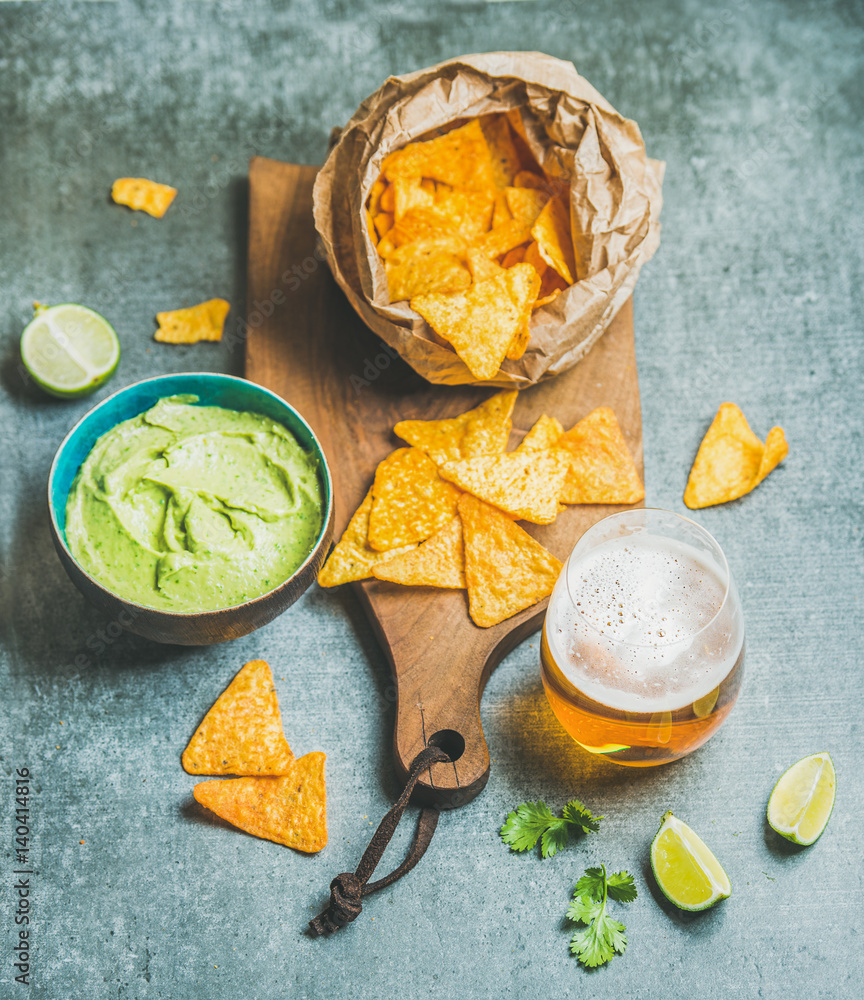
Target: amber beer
(643, 644)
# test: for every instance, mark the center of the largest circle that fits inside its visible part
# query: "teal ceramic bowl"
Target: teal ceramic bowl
(188, 628)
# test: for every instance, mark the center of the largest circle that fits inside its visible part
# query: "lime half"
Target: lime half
(69, 350)
(687, 872)
(803, 799)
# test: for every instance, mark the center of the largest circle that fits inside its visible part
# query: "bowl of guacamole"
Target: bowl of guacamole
(191, 508)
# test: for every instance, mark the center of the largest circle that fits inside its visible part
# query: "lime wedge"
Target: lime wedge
(69, 350)
(801, 803)
(687, 872)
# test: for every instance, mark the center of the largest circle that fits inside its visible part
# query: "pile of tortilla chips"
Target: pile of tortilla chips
(475, 236)
(279, 798)
(731, 460)
(442, 512)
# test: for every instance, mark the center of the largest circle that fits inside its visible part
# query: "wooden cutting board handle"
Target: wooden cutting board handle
(439, 685)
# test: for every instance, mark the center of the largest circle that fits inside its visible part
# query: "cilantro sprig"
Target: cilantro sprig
(533, 821)
(602, 937)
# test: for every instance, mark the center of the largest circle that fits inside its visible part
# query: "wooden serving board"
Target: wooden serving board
(306, 343)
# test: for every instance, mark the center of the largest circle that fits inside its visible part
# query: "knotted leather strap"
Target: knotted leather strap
(348, 889)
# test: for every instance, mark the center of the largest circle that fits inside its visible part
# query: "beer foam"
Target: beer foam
(639, 624)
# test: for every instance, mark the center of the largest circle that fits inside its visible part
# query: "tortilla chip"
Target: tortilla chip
(466, 211)
(525, 484)
(410, 501)
(437, 562)
(408, 194)
(731, 460)
(242, 732)
(500, 212)
(506, 570)
(290, 810)
(481, 431)
(189, 326)
(533, 257)
(554, 238)
(519, 343)
(601, 466)
(499, 139)
(387, 202)
(514, 256)
(776, 449)
(143, 196)
(375, 197)
(481, 322)
(482, 267)
(544, 434)
(383, 223)
(424, 272)
(460, 157)
(525, 204)
(528, 179)
(544, 300)
(440, 241)
(502, 238)
(420, 224)
(353, 558)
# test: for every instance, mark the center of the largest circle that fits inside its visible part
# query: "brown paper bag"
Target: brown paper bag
(574, 134)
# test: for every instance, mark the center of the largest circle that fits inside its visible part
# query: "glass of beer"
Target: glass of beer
(643, 644)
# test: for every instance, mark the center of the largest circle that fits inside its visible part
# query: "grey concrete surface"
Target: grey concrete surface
(754, 296)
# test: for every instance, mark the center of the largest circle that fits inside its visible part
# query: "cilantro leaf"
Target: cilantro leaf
(592, 883)
(523, 828)
(582, 910)
(602, 937)
(577, 815)
(554, 837)
(621, 887)
(533, 821)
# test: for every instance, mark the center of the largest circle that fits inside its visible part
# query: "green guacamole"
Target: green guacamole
(194, 508)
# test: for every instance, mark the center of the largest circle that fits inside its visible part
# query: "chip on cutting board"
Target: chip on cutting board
(544, 434)
(525, 484)
(410, 501)
(481, 322)
(731, 460)
(481, 431)
(353, 558)
(242, 732)
(505, 568)
(142, 195)
(437, 562)
(601, 466)
(188, 326)
(290, 809)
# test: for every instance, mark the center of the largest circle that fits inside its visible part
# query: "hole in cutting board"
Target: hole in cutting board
(448, 740)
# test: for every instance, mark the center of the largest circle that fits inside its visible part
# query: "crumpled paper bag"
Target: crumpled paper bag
(573, 132)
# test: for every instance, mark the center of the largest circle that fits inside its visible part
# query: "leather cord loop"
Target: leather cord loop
(348, 889)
